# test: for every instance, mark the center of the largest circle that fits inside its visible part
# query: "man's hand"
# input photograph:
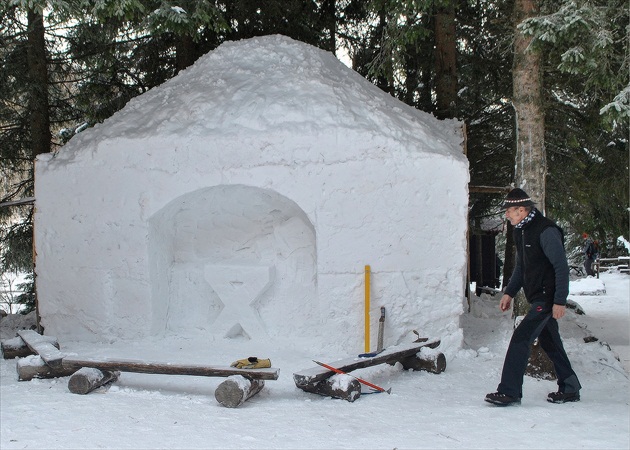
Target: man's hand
(505, 302)
(558, 311)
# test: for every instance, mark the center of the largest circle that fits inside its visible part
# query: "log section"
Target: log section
(349, 390)
(35, 367)
(236, 389)
(86, 379)
(429, 363)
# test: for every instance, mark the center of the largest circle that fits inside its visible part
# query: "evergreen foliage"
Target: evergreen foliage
(102, 53)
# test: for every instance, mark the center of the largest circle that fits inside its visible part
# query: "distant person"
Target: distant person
(590, 254)
(543, 272)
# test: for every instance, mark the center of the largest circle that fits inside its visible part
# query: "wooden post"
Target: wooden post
(86, 379)
(367, 309)
(236, 389)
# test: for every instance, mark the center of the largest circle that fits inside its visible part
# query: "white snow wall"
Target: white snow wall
(243, 198)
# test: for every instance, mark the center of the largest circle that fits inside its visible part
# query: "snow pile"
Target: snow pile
(587, 286)
(424, 410)
(10, 323)
(243, 199)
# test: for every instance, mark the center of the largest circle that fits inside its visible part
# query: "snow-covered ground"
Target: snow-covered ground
(423, 411)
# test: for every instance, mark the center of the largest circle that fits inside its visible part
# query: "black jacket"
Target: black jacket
(541, 266)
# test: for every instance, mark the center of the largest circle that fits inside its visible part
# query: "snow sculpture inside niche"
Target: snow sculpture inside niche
(221, 255)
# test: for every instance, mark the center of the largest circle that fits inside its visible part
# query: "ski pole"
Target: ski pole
(367, 383)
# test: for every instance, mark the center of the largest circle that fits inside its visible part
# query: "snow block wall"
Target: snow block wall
(243, 198)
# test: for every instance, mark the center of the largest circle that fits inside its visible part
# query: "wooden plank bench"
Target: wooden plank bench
(16, 347)
(43, 346)
(88, 374)
(128, 365)
(240, 385)
(317, 379)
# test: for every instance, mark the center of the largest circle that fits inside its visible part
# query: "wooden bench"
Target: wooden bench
(88, 374)
(17, 348)
(241, 384)
(317, 380)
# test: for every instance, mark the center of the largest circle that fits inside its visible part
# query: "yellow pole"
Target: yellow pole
(367, 309)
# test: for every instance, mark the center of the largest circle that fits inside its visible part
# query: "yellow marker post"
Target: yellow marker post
(367, 309)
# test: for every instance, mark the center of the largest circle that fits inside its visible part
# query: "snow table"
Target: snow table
(88, 374)
(318, 380)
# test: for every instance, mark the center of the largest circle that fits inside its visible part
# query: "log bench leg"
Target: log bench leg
(349, 390)
(435, 363)
(35, 367)
(86, 379)
(236, 389)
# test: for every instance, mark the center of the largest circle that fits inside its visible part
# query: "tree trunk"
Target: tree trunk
(330, 21)
(39, 118)
(427, 66)
(531, 160)
(445, 60)
(185, 52)
(384, 77)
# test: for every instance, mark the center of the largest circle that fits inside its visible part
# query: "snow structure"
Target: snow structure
(243, 198)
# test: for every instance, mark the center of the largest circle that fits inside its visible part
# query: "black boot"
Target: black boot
(563, 397)
(500, 399)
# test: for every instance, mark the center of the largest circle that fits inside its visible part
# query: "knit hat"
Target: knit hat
(517, 197)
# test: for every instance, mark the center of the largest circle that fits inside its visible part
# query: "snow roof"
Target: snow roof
(273, 84)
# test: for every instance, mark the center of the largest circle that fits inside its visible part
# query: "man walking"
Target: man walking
(589, 254)
(542, 271)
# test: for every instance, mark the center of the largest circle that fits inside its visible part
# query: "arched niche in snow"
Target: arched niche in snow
(219, 256)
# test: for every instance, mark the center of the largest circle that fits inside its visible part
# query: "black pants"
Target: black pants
(588, 266)
(538, 323)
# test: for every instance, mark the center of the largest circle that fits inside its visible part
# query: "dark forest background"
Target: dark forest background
(67, 65)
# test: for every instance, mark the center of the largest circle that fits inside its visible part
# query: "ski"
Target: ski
(360, 380)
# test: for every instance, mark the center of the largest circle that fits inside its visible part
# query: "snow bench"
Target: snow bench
(87, 374)
(319, 380)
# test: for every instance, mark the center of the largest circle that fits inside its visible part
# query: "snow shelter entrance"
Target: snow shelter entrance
(219, 256)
